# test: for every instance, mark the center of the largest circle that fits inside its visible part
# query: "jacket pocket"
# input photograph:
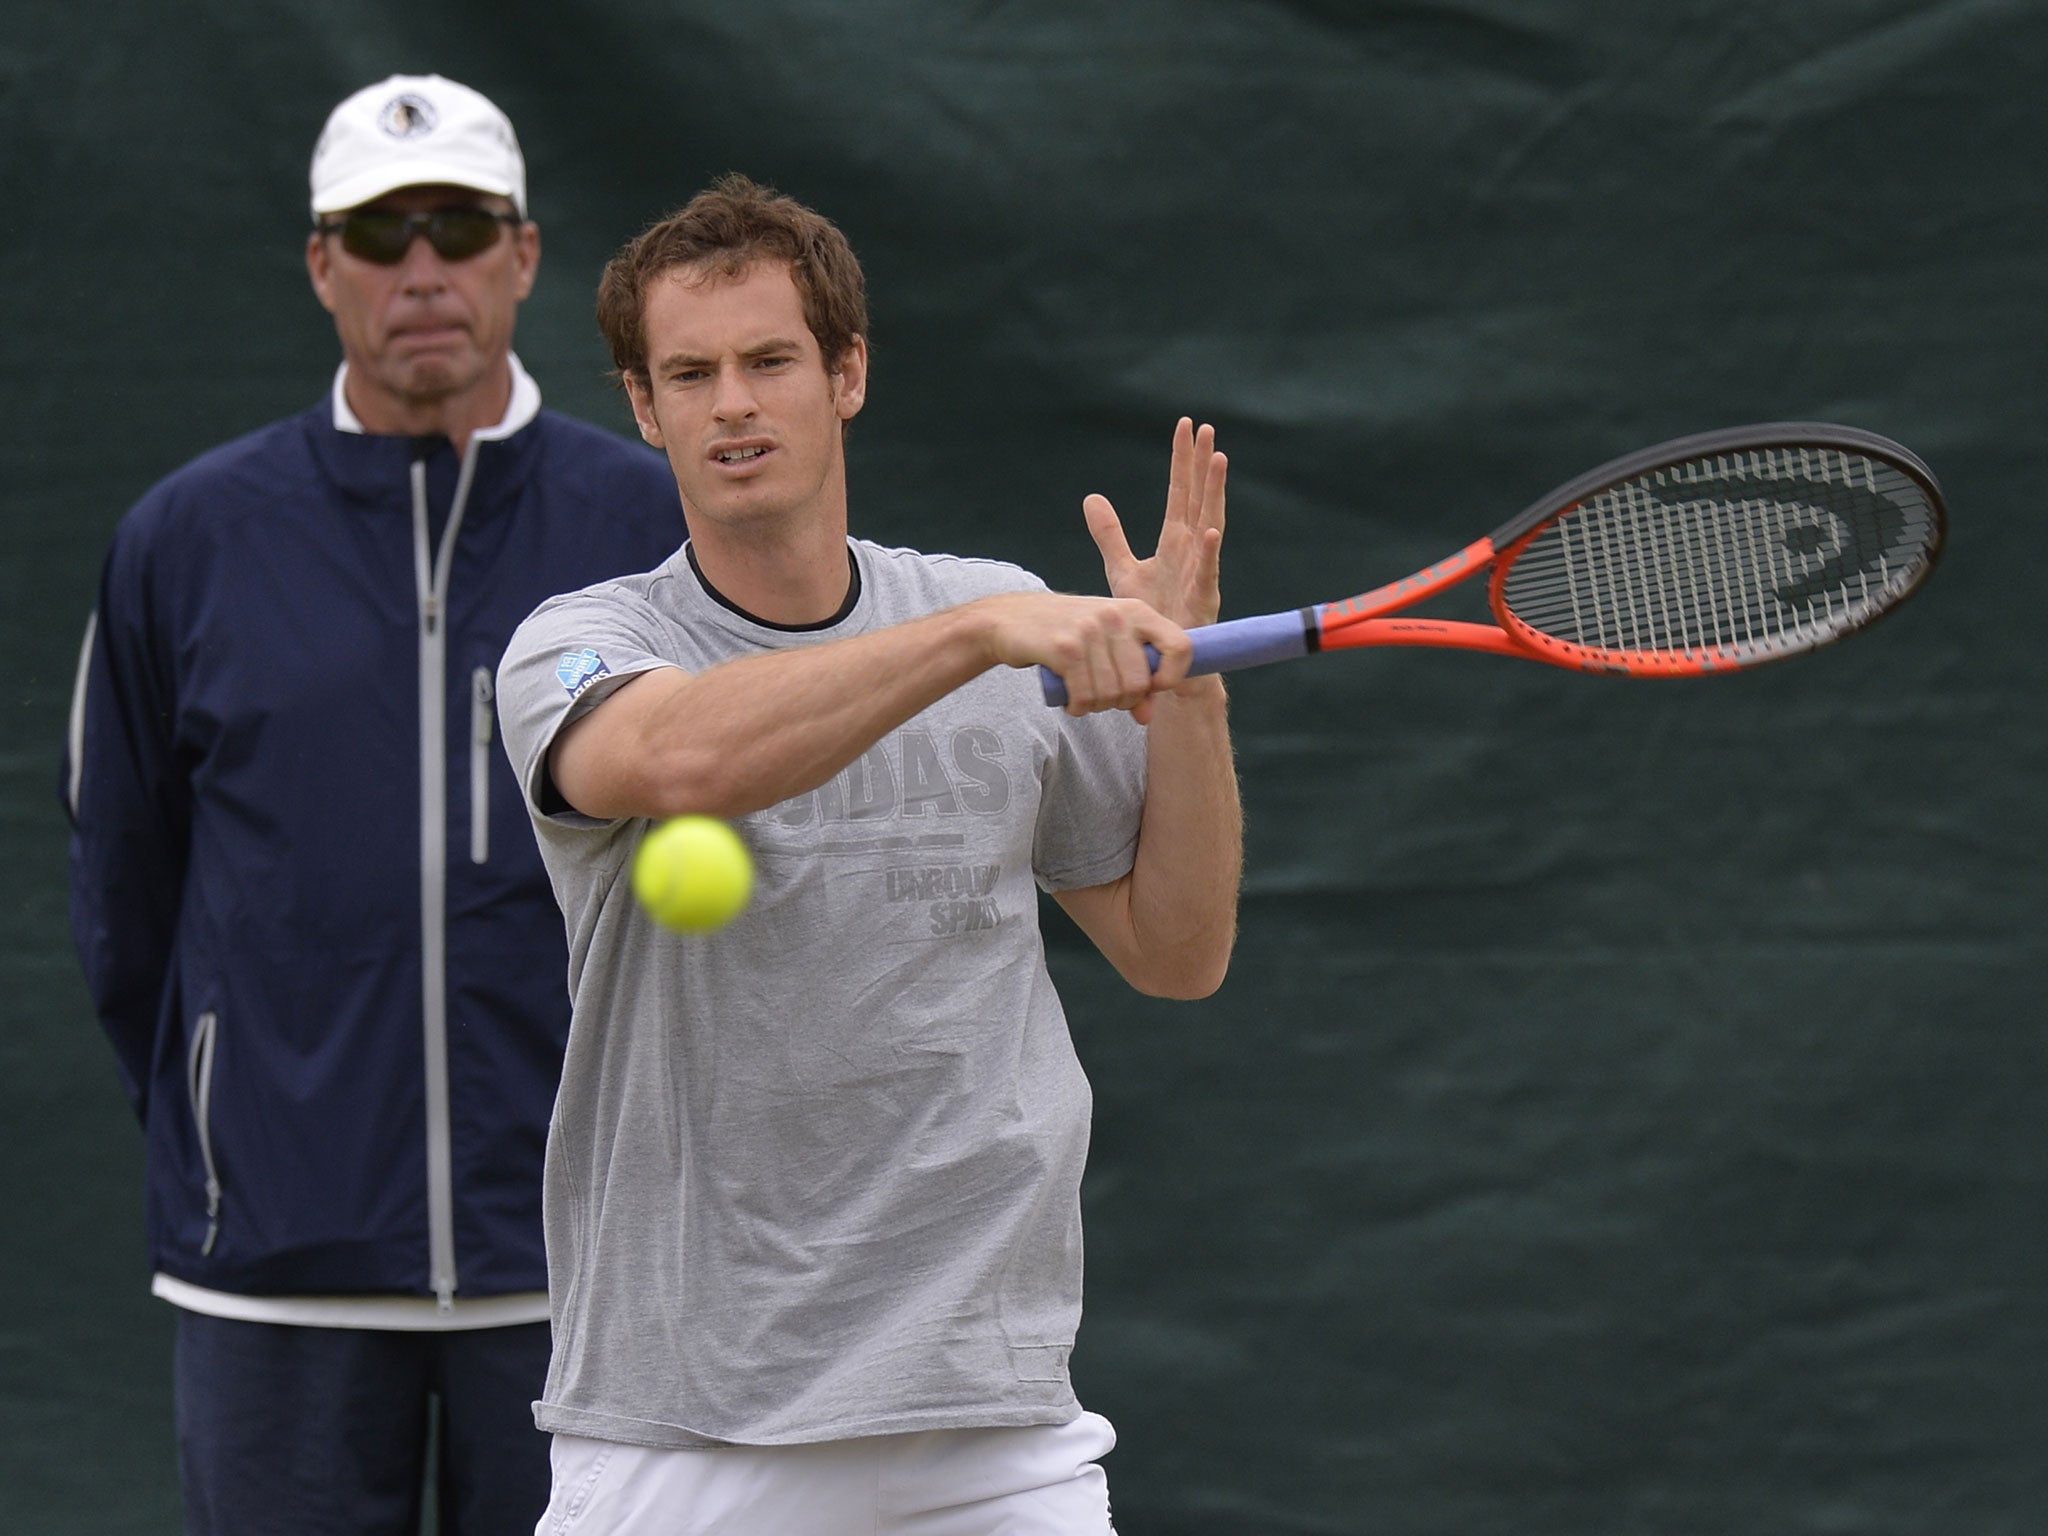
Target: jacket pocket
(482, 722)
(199, 1087)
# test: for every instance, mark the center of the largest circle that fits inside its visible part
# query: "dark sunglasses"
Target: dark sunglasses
(456, 234)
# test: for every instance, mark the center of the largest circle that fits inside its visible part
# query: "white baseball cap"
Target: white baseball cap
(412, 131)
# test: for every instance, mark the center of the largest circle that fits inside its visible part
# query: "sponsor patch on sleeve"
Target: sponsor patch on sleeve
(579, 669)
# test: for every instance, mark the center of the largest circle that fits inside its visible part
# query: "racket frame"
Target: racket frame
(1375, 617)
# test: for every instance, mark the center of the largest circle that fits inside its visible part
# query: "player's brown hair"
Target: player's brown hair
(724, 230)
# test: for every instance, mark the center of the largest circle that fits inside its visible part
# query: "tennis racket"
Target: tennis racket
(1708, 553)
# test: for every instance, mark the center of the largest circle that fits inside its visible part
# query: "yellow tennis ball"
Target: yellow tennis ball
(692, 874)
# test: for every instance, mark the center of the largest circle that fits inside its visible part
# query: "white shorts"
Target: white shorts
(1038, 1481)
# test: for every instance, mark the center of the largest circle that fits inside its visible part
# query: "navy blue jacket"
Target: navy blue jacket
(282, 838)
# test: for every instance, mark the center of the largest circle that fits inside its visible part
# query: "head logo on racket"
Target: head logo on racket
(1839, 536)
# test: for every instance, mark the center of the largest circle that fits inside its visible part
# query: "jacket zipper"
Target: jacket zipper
(480, 727)
(199, 1088)
(430, 575)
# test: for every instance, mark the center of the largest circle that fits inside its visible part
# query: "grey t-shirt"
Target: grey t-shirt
(817, 1175)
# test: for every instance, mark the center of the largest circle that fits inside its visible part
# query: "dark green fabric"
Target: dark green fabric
(1626, 1111)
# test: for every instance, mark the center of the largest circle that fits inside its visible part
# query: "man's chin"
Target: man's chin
(431, 379)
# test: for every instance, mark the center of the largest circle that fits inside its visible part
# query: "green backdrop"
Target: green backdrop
(1626, 1111)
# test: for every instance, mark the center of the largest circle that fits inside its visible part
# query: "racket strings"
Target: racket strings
(1769, 550)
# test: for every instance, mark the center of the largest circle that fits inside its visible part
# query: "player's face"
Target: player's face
(424, 331)
(739, 397)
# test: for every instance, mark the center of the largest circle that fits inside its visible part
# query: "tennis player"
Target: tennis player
(813, 1181)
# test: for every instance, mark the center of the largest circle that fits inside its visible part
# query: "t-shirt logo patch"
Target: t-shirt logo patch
(579, 669)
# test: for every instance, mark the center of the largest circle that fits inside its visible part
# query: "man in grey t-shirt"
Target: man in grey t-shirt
(813, 1181)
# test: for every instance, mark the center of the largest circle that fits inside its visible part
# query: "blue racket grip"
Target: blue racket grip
(1225, 647)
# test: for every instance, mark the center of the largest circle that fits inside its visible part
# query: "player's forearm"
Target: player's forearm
(1175, 920)
(747, 734)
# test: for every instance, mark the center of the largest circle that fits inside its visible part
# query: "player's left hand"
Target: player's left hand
(1182, 579)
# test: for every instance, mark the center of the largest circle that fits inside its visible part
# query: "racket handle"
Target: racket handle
(1224, 647)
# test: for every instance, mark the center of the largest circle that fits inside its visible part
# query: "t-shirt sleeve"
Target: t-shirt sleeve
(1094, 798)
(571, 654)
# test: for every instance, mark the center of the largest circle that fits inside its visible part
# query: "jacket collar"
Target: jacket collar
(519, 410)
(373, 467)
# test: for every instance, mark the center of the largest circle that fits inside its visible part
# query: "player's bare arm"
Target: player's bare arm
(1169, 925)
(748, 734)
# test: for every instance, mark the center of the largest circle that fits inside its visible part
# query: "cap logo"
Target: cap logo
(408, 116)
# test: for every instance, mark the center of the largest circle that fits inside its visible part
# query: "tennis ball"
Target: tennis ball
(692, 874)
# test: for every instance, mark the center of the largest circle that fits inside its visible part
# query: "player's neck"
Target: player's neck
(790, 578)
